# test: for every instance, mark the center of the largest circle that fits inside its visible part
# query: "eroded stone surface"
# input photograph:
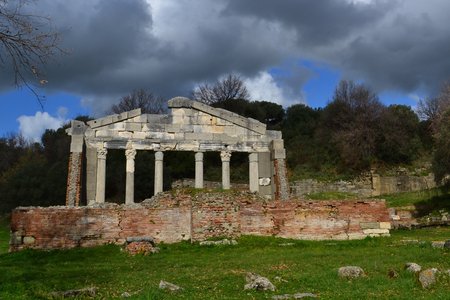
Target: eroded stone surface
(294, 296)
(258, 283)
(218, 243)
(176, 216)
(413, 267)
(165, 285)
(427, 278)
(190, 126)
(351, 272)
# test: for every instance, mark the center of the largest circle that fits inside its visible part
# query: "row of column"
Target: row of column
(130, 154)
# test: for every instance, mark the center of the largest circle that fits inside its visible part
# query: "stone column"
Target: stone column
(130, 154)
(73, 192)
(253, 174)
(91, 174)
(159, 156)
(225, 156)
(278, 156)
(101, 174)
(199, 170)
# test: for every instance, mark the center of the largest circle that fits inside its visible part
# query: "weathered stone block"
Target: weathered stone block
(376, 231)
(125, 134)
(369, 225)
(198, 136)
(124, 115)
(133, 113)
(139, 135)
(16, 238)
(104, 133)
(28, 240)
(133, 126)
(173, 128)
(139, 119)
(385, 225)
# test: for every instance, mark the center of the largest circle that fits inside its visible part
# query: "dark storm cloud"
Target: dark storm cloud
(315, 22)
(167, 46)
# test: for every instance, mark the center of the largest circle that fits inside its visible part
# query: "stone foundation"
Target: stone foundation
(172, 218)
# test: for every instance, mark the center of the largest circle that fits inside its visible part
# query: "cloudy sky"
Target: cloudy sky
(290, 51)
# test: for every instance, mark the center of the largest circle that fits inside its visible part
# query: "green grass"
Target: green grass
(219, 272)
(4, 234)
(414, 198)
(424, 202)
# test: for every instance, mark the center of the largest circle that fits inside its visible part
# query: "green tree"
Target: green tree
(441, 156)
(349, 126)
(399, 135)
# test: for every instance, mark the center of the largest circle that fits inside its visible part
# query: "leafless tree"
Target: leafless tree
(428, 108)
(146, 101)
(231, 87)
(27, 41)
(432, 109)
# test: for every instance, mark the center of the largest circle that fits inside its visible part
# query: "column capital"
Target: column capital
(253, 157)
(198, 156)
(130, 154)
(102, 152)
(225, 155)
(159, 155)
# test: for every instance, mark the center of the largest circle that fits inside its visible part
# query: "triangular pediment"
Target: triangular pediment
(189, 125)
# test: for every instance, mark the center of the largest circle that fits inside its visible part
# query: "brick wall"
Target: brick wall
(171, 218)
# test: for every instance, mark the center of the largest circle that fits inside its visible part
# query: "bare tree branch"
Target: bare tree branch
(27, 42)
(146, 101)
(432, 109)
(231, 87)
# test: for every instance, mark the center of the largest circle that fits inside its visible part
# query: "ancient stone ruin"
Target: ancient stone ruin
(191, 126)
(266, 209)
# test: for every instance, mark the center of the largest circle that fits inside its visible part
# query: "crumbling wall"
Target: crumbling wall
(366, 186)
(175, 217)
(316, 220)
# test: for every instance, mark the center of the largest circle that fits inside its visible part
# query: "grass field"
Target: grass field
(219, 272)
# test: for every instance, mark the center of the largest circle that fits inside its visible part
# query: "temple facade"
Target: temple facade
(190, 126)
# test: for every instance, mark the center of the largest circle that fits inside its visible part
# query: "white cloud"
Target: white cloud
(263, 87)
(32, 127)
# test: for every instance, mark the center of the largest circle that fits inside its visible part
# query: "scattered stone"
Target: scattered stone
(413, 267)
(28, 240)
(438, 244)
(294, 296)
(125, 295)
(279, 279)
(141, 239)
(351, 272)
(219, 243)
(409, 241)
(258, 283)
(392, 273)
(85, 292)
(447, 244)
(286, 244)
(427, 277)
(143, 248)
(164, 285)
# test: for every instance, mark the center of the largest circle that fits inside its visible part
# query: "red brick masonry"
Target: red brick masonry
(172, 218)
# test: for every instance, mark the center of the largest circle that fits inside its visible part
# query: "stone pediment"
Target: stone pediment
(190, 126)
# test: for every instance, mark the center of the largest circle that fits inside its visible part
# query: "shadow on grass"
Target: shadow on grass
(433, 204)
